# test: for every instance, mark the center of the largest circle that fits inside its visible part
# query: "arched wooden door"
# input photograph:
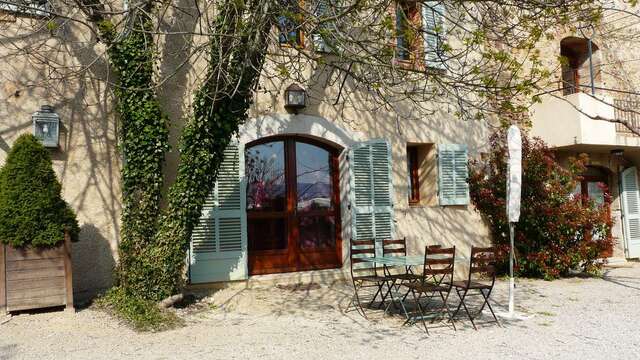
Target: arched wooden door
(293, 207)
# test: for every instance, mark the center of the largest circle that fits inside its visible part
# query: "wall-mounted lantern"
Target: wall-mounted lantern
(295, 98)
(46, 126)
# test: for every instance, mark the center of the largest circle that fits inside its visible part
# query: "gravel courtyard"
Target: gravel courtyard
(575, 318)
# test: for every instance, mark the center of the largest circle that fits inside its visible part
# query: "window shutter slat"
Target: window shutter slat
(371, 191)
(219, 241)
(453, 172)
(631, 211)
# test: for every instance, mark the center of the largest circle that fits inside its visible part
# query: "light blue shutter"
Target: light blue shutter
(631, 211)
(371, 191)
(433, 25)
(453, 173)
(219, 241)
(319, 42)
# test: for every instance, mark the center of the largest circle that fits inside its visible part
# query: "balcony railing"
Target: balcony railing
(626, 105)
(626, 110)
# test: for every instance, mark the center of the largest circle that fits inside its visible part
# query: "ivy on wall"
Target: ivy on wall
(218, 111)
(155, 242)
(144, 139)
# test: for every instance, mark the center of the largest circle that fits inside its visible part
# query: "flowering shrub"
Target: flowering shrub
(558, 231)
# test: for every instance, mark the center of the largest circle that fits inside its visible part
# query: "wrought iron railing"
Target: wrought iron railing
(626, 111)
(626, 104)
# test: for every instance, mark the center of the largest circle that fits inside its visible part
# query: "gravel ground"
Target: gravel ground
(576, 318)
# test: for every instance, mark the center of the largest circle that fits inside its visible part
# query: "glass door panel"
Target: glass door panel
(315, 207)
(266, 186)
(292, 206)
(267, 226)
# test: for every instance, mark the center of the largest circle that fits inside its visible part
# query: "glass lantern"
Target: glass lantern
(46, 126)
(295, 98)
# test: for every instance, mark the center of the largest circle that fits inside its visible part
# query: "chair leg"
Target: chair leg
(445, 306)
(464, 295)
(455, 313)
(417, 299)
(390, 288)
(486, 301)
(358, 305)
(379, 291)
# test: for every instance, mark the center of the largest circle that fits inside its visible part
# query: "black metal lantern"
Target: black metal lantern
(46, 126)
(295, 98)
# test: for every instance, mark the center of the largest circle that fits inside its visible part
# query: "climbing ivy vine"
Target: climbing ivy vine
(218, 110)
(143, 143)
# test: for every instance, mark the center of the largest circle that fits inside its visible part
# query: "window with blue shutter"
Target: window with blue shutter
(371, 191)
(324, 36)
(219, 241)
(453, 174)
(26, 7)
(433, 16)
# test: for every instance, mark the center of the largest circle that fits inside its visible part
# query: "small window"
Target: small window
(407, 22)
(413, 170)
(290, 23)
(421, 174)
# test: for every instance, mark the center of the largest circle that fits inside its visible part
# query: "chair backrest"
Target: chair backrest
(483, 263)
(439, 264)
(359, 251)
(436, 246)
(397, 247)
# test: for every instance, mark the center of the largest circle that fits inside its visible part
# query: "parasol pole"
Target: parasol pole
(512, 281)
(514, 186)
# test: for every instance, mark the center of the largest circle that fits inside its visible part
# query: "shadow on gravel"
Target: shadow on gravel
(625, 281)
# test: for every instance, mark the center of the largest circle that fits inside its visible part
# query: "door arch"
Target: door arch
(293, 206)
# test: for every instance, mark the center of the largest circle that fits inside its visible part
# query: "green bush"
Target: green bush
(558, 231)
(32, 211)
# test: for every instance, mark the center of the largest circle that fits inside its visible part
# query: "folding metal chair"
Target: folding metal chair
(440, 263)
(482, 277)
(397, 247)
(396, 275)
(365, 276)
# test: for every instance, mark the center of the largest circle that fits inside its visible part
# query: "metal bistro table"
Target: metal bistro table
(406, 261)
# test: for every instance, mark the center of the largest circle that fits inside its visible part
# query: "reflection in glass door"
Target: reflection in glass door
(292, 205)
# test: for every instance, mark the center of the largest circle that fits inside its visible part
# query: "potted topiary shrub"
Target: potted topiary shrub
(36, 230)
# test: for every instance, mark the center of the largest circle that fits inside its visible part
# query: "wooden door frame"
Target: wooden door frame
(584, 192)
(291, 224)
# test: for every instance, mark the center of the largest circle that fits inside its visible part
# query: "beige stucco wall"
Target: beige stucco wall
(87, 163)
(557, 121)
(423, 225)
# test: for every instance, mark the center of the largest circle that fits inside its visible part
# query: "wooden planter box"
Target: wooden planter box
(35, 278)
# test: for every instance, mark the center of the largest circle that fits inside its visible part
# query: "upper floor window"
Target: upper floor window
(26, 7)
(290, 23)
(420, 32)
(407, 24)
(578, 64)
(433, 24)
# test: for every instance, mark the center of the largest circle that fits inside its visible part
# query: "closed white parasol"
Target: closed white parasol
(514, 187)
